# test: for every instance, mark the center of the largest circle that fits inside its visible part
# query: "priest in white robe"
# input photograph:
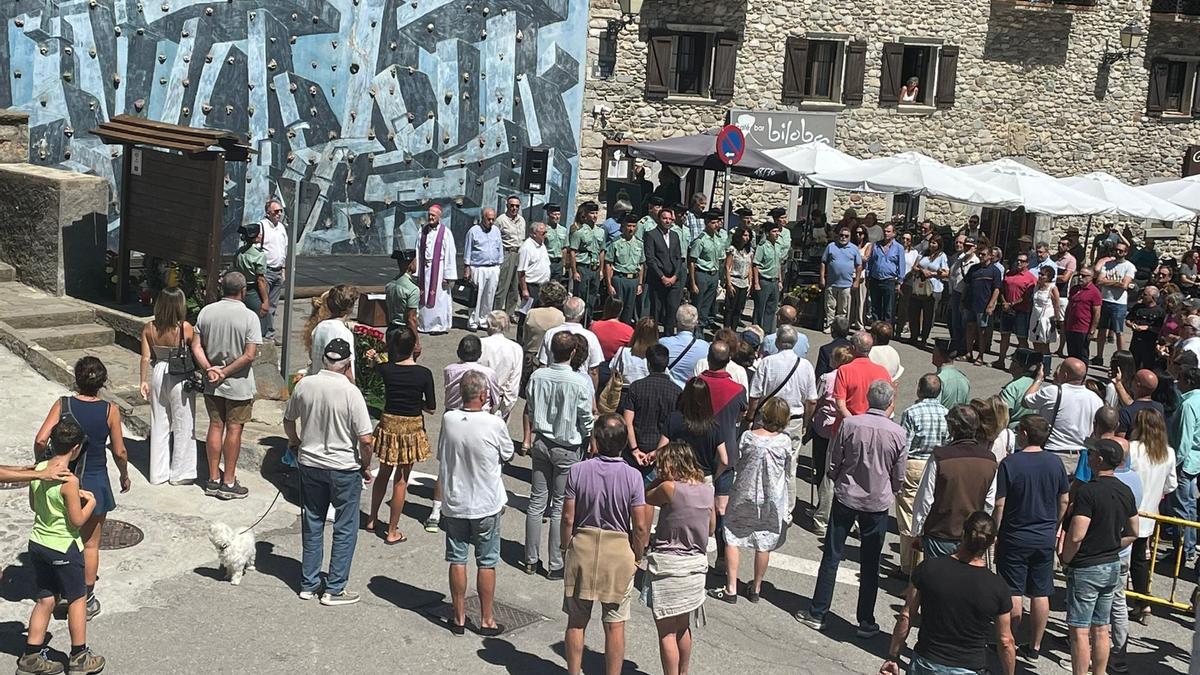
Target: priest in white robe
(437, 268)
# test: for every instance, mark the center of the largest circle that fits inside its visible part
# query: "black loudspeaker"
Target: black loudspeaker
(537, 166)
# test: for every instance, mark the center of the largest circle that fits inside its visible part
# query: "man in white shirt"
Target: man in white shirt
(506, 358)
(482, 254)
(964, 259)
(1068, 406)
(533, 270)
(512, 233)
(573, 311)
(472, 450)
(793, 380)
(333, 450)
(470, 350)
(275, 246)
(1113, 276)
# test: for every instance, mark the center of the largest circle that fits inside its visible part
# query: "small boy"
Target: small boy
(60, 508)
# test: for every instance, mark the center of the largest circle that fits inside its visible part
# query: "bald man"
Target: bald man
(1068, 406)
(1145, 320)
(786, 316)
(1145, 383)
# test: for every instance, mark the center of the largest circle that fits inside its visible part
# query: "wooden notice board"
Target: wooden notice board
(172, 208)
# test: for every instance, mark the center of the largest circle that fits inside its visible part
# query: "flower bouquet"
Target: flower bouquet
(370, 350)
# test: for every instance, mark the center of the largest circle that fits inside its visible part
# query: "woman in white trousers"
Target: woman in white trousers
(172, 408)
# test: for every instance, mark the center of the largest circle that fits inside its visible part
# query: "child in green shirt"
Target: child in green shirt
(60, 508)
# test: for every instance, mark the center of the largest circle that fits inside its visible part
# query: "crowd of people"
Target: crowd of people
(662, 406)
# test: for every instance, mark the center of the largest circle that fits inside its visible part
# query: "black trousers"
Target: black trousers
(1077, 346)
(735, 306)
(663, 303)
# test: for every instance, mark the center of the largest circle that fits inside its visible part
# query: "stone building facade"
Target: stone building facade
(998, 78)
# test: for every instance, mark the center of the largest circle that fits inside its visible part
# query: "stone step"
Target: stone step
(59, 338)
(123, 366)
(7, 273)
(22, 307)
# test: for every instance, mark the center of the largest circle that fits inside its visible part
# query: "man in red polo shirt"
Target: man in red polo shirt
(611, 332)
(854, 379)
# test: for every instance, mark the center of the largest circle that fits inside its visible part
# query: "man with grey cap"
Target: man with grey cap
(333, 448)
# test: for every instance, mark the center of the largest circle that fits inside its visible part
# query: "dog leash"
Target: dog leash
(264, 515)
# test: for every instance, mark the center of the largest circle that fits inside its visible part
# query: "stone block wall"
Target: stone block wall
(14, 136)
(53, 228)
(1030, 84)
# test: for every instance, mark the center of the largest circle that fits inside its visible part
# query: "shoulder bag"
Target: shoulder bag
(179, 360)
(610, 397)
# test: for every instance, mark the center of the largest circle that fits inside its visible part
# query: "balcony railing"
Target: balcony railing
(1175, 9)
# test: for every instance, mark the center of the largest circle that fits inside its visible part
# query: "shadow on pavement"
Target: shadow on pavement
(282, 568)
(16, 581)
(502, 653)
(593, 661)
(12, 637)
(402, 595)
(512, 552)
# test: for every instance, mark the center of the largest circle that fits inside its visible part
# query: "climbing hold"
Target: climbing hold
(162, 58)
(228, 109)
(205, 108)
(139, 104)
(353, 68)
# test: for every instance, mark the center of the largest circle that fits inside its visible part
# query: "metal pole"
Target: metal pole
(1195, 226)
(1087, 238)
(728, 170)
(290, 289)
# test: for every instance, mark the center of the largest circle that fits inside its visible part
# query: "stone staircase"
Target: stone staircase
(52, 333)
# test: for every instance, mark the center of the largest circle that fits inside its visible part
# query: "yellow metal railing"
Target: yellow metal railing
(1168, 601)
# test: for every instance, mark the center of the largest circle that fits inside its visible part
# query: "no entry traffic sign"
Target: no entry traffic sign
(731, 144)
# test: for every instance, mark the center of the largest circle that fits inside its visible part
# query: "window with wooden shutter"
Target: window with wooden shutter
(724, 66)
(856, 73)
(658, 64)
(795, 62)
(947, 76)
(1157, 93)
(891, 66)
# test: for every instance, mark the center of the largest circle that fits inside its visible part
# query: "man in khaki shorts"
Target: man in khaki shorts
(605, 527)
(229, 338)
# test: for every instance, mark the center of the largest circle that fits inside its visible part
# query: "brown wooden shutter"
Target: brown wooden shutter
(855, 74)
(724, 66)
(947, 77)
(658, 64)
(890, 66)
(795, 65)
(1156, 96)
(1196, 95)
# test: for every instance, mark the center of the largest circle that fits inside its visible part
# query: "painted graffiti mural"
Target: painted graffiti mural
(378, 107)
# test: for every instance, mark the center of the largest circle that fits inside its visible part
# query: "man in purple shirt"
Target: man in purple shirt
(866, 464)
(605, 524)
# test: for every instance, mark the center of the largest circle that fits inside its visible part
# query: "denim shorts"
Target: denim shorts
(980, 318)
(1112, 316)
(1015, 322)
(1090, 593)
(482, 533)
(1027, 570)
(923, 666)
(723, 485)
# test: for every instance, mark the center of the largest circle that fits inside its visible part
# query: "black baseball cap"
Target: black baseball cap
(777, 211)
(404, 255)
(250, 231)
(1109, 452)
(337, 349)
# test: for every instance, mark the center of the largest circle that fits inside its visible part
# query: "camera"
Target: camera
(194, 382)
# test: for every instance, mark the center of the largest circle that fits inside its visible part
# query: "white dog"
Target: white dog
(234, 551)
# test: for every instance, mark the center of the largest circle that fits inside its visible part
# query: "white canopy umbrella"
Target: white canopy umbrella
(1129, 201)
(1039, 192)
(1184, 192)
(812, 158)
(914, 173)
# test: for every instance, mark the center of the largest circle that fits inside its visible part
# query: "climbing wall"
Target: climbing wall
(378, 107)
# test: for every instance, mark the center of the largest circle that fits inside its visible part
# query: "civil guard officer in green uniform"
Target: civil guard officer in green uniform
(251, 261)
(586, 246)
(767, 283)
(625, 264)
(779, 217)
(556, 242)
(705, 257)
(402, 295)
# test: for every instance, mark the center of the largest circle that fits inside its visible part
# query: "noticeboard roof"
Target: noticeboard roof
(131, 130)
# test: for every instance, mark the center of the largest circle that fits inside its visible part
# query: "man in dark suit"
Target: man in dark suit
(664, 270)
(838, 330)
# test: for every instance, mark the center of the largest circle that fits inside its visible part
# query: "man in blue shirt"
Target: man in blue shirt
(786, 316)
(841, 267)
(482, 256)
(685, 347)
(612, 226)
(1043, 260)
(885, 270)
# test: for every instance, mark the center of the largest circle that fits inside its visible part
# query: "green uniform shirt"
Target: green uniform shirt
(251, 261)
(556, 240)
(956, 388)
(707, 251)
(685, 237)
(767, 258)
(51, 527)
(401, 294)
(785, 238)
(587, 241)
(626, 257)
(1013, 395)
(644, 225)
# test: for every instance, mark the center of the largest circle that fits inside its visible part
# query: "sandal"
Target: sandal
(722, 595)
(393, 542)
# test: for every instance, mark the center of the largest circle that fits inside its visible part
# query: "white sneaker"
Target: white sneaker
(343, 598)
(308, 595)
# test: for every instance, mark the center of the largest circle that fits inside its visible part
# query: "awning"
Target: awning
(1039, 192)
(914, 173)
(700, 151)
(1184, 192)
(1129, 201)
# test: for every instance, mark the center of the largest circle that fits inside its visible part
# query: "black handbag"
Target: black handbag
(180, 360)
(465, 292)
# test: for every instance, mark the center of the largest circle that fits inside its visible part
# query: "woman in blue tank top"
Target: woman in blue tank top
(101, 422)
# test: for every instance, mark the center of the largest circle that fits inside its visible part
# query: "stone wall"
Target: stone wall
(1029, 84)
(52, 228)
(14, 136)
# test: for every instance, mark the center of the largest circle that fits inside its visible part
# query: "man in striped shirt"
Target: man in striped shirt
(925, 424)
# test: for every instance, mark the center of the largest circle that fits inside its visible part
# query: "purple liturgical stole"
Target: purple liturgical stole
(435, 274)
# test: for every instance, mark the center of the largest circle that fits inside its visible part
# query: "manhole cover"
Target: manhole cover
(513, 618)
(119, 534)
(12, 486)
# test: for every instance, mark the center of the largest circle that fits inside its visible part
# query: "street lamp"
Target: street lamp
(607, 61)
(629, 11)
(1131, 38)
